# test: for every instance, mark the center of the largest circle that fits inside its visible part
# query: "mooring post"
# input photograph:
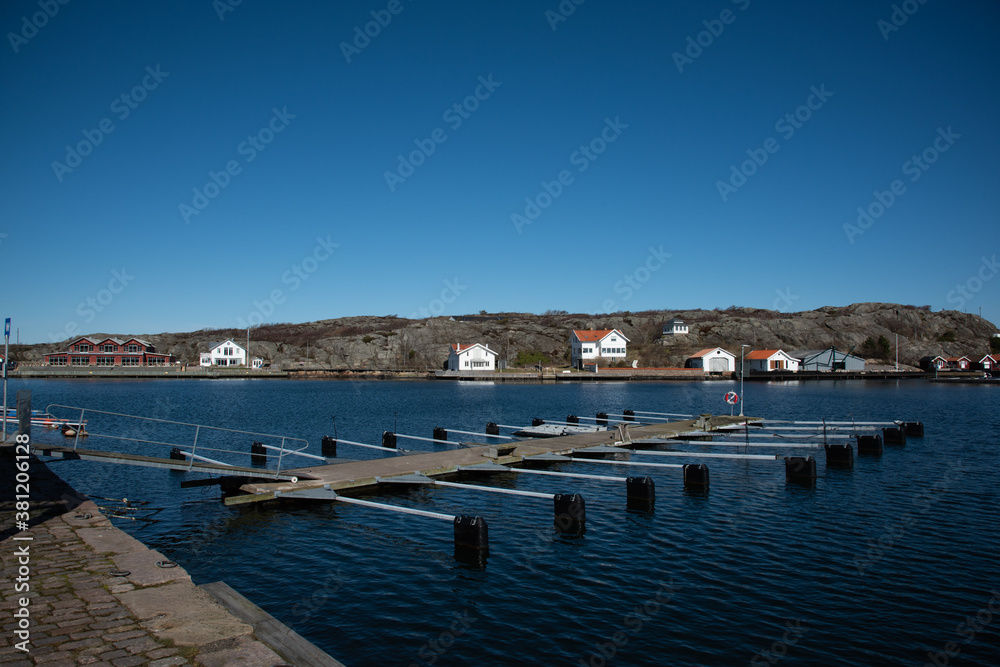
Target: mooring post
(258, 453)
(389, 439)
(696, 476)
(492, 428)
(329, 447)
(628, 415)
(571, 513)
(440, 433)
(913, 429)
(640, 493)
(602, 418)
(471, 532)
(572, 419)
(800, 469)
(537, 421)
(839, 456)
(893, 436)
(869, 444)
(177, 455)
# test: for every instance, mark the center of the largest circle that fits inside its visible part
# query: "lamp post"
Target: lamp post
(742, 348)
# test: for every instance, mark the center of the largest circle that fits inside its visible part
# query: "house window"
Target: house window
(132, 348)
(130, 361)
(84, 347)
(105, 361)
(79, 361)
(109, 347)
(154, 361)
(57, 361)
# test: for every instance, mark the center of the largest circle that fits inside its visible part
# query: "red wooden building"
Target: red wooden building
(87, 351)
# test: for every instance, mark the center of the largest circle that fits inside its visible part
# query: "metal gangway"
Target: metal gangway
(206, 450)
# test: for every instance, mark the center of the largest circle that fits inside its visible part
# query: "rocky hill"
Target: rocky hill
(397, 343)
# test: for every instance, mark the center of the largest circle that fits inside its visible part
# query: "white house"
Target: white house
(589, 344)
(475, 357)
(771, 360)
(226, 353)
(675, 327)
(713, 360)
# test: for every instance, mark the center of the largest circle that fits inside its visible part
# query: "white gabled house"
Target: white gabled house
(590, 344)
(675, 327)
(474, 357)
(226, 353)
(713, 360)
(771, 360)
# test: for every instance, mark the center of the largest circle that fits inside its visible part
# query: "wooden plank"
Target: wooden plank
(280, 638)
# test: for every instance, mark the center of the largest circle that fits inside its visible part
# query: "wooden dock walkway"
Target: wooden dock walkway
(361, 475)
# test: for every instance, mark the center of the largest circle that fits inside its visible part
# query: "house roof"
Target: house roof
(212, 346)
(764, 354)
(957, 358)
(459, 347)
(595, 335)
(675, 320)
(994, 357)
(707, 351)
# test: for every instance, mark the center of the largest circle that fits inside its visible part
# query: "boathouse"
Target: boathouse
(771, 360)
(829, 359)
(712, 360)
(957, 363)
(590, 344)
(675, 327)
(990, 362)
(474, 357)
(88, 351)
(226, 353)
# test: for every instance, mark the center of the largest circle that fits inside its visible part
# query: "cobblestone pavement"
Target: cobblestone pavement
(98, 596)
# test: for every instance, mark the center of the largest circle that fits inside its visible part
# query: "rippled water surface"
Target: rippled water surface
(891, 562)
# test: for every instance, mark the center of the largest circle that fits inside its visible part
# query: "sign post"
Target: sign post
(6, 362)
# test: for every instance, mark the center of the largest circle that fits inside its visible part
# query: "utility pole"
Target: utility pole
(741, 377)
(6, 361)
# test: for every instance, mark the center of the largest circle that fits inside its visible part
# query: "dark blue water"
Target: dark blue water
(891, 562)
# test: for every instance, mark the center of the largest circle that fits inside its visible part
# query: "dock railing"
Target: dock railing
(194, 450)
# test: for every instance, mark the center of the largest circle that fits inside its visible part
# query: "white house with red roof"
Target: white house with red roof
(771, 360)
(474, 357)
(713, 360)
(590, 344)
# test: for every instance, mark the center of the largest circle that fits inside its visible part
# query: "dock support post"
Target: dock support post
(640, 493)
(440, 433)
(258, 453)
(329, 447)
(471, 532)
(571, 513)
(572, 419)
(492, 429)
(696, 476)
(893, 436)
(800, 469)
(175, 454)
(913, 429)
(869, 444)
(389, 439)
(629, 415)
(24, 411)
(841, 456)
(602, 418)
(537, 421)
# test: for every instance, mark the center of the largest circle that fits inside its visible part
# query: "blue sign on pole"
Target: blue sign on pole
(6, 328)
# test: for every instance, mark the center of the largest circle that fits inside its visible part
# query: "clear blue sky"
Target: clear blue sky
(309, 117)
